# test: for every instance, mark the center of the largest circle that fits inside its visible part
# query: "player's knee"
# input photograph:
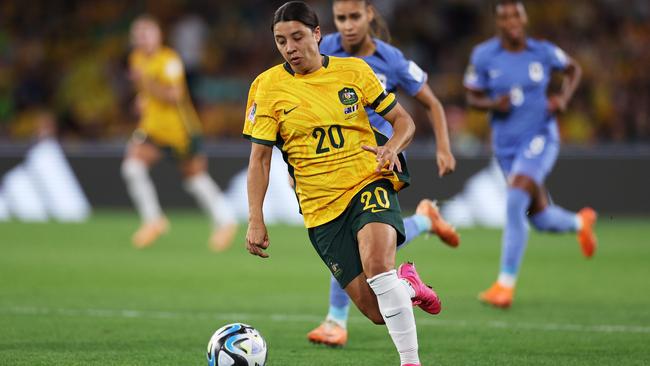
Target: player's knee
(517, 201)
(537, 221)
(133, 168)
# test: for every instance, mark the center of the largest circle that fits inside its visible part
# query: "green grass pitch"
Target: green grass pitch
(79, 294)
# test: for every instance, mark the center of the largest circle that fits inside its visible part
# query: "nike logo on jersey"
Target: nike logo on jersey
(375, 210)
(287, 111)
(390, 316)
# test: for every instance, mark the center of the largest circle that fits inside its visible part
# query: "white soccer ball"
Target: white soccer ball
(236, 344)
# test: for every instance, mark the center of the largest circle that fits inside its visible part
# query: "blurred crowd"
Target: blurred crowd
(66, 60)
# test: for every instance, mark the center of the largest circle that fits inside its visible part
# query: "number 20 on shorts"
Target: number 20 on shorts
(379, 197)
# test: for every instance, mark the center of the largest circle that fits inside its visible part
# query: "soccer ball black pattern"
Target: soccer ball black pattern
(236, 344)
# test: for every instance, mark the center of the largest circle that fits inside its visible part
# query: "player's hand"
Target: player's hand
(257, 239)
(446, 162)
(556, 104)
(384, 155)
(502, 104)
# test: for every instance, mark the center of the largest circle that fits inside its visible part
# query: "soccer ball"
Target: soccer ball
(236, 344)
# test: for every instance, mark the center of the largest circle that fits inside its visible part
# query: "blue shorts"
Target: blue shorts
(535, 158)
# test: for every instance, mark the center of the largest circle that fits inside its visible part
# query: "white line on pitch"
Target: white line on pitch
(307, 318)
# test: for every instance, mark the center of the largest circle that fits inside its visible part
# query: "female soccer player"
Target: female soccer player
(346, 175)
(359, 26)
(509, 76)
(168, 123)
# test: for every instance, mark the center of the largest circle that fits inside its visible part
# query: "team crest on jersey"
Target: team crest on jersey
(348, 96)
(536, 71)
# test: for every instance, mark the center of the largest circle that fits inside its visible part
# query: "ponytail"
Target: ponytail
(378, 27)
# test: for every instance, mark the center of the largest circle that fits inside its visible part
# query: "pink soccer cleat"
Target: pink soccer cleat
(425, 297)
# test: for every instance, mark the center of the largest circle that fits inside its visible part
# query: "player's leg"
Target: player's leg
(519, 195)
(427, 219)
(537, 163)
(333, 331)
(202, 187)
(546, 216)
(377, 246)
(140, 156)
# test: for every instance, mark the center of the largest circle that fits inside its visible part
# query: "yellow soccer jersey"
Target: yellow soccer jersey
(166, 123)
(319, 122)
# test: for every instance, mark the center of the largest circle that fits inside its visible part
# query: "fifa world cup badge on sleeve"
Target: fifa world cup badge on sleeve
(251, 112)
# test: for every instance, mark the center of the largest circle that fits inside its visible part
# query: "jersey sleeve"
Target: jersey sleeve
(476, 77)
(373, 94)
(172, 72)
(260, 124)
(410, 76)
(558, 59)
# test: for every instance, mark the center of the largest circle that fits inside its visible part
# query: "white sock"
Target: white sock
(141, 189)
(397, 311)
(209, 197)
(507, 280)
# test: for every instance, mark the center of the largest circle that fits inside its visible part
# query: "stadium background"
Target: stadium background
(65, 62)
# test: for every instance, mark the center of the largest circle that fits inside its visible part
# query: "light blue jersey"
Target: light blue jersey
(390, 66)
(525, 75)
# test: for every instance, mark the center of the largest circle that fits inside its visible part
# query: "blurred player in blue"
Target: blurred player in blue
(360, 28)
(508, 76)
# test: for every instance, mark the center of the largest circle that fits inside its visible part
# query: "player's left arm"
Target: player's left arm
(403, 131)
(436, 114)
(376, 97)
(572, 73)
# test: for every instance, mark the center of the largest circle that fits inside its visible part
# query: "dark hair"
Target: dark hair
(298, 11)
(147, 18)
(507, 2)
(378, 27)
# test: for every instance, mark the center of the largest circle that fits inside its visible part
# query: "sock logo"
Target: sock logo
(390, 316)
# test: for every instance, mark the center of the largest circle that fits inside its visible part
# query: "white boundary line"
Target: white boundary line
(307, 318)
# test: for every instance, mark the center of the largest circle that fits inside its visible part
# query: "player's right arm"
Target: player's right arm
(259, 166)
(261, 128)
(476, 83)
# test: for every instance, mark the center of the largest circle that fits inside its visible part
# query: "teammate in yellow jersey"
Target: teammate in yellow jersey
(346, 174)
(168, 124)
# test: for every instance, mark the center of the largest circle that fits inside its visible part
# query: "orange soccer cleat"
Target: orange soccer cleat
(330, 334)
(497, 295)
(149, 232)
(439, 226)
(586, 235)
(223, 237)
